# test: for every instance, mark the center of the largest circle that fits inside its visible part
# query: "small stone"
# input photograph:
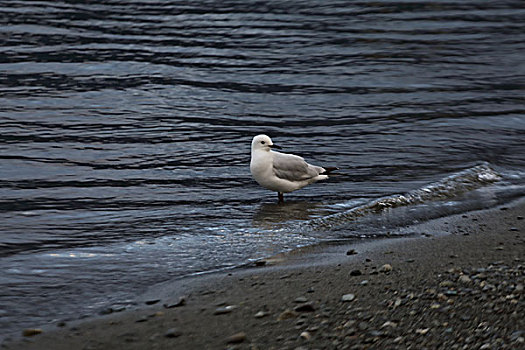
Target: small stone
(261, 314)
(236, 338)
(152, 301)
(389, 324)
(351, 252)
(364, 282)
(306, 335)
(513, 229)
(356, 273)
(362, 326)
(300, 300)
(172, 333)
(519, 217)
(349, 323)
(260, 263)
(308, 307)
(224, 310)
(313, 329)
(464, 279)
(286, 315)
(422, 331)
(178, 303)
(446, 284)
(29, 332)
(375, 333)
(398, 340)
(347, 297)
(386, 268)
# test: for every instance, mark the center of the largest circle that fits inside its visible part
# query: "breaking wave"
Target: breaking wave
(449, 187)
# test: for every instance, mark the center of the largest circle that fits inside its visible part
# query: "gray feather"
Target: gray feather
(293, 168)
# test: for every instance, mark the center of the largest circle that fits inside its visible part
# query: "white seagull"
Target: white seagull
(282, 172)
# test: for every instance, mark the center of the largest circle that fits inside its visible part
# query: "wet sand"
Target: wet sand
(456, 283)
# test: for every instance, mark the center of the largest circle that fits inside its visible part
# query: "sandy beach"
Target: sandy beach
(455, 283)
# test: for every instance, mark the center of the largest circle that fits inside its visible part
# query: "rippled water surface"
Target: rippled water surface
(126, 127)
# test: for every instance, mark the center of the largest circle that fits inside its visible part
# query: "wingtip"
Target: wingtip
(329, 170)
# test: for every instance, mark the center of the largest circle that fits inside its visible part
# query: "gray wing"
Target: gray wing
(293, 168)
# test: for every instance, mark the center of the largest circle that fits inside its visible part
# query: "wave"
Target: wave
(449, 187)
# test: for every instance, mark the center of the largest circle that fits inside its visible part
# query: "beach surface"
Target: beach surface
(455, 283)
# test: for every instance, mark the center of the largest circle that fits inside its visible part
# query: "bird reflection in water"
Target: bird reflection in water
(275, 215)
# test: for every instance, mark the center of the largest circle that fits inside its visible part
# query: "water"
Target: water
(126, 129)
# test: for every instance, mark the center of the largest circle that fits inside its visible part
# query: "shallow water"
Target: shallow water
(126, 129)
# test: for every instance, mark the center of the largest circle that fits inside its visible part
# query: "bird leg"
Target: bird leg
(281, 197)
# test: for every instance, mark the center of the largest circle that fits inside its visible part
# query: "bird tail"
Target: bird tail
(328, 170)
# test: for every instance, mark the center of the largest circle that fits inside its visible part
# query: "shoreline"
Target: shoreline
(458, 281)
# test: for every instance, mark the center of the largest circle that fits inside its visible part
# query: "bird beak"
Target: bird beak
(275, 146)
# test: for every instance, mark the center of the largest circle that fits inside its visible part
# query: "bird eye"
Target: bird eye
(262, 142)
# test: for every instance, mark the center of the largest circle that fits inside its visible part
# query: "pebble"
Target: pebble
(398, 340)
(349, 323)
(389, 324)
(356, 273)
(261, 314)
(300, 300)
(172, 333)
(386, 268)
(351, 252)
(236, 338)
(446, 284)
(308, 307)
(152, 301)
(464, 279)
(224, 310)
(306, 335)
(348, 297)
(422, 331)
(29, 332)
(180, 302)
(286, 315)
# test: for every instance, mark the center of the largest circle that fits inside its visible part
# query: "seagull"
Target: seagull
(282, 172)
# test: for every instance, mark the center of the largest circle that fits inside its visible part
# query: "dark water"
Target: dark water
(126, 127)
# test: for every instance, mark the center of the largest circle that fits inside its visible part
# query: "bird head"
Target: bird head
(263, 142)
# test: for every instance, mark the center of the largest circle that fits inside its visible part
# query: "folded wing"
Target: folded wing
(293, 168)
